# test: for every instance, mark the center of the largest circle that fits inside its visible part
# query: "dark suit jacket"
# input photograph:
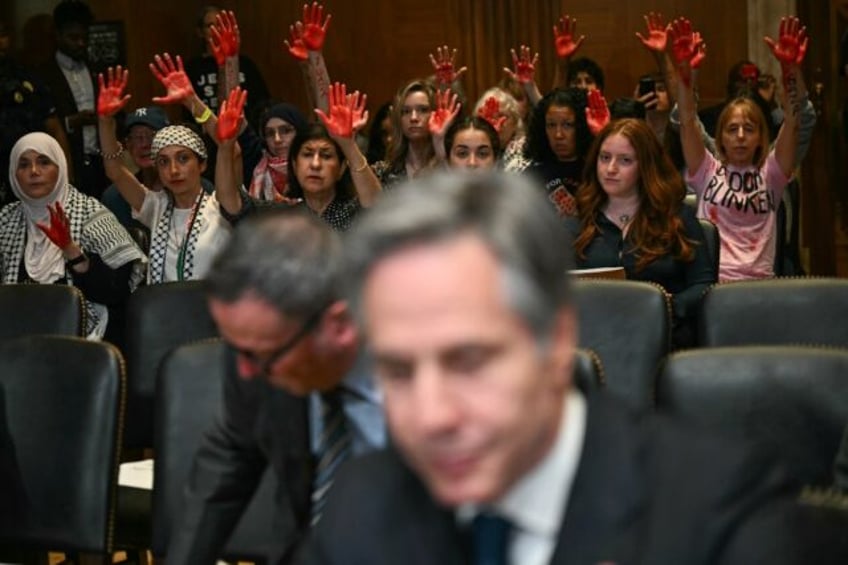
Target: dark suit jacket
(259, 425)
(644, 492)
(57, 85)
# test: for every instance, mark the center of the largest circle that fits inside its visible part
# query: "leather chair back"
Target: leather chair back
(188, 396)
(792, 400)
(588, 373)
(61, 414)
(774, 312)
(160, 317)
(712, 243)
(627, 324)
(32, 309)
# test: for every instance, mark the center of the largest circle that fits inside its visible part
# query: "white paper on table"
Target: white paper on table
(136, 474)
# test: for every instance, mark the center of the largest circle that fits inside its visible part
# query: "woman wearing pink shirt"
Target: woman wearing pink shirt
(740, 189)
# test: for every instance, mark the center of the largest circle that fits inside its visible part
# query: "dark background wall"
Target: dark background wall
(376, 45)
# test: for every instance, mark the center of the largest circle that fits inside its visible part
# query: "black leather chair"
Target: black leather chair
(775, 311)
(712, 242)
(32, 309)
(188, 396)
(588, 371)
(61, 417)
(792, 400)
(823, 524)
(159, 318)
(627, 324)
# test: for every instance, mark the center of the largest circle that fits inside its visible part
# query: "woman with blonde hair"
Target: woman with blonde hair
(420, 119)
(740, 189)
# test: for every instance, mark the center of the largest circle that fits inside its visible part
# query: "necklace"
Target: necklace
(624, 219)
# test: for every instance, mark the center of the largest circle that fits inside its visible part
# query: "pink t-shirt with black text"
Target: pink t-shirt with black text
(742, 202)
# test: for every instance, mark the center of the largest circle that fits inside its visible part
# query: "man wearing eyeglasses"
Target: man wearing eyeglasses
(299, 396)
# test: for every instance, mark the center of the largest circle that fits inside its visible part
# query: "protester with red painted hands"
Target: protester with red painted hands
(186, 227)
(581, 72)
(654, 90)
(55, 234)
(740, 188)
(523, 72)
(420, 118)
(306, 46)
(221, 67)
(328, 173)
(597, 112)
(498, 107)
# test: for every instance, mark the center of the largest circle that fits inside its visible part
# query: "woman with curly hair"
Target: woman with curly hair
(631, 214)
(557, 142)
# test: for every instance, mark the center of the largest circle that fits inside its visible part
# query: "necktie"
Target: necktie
(490, 536)
(334, 446)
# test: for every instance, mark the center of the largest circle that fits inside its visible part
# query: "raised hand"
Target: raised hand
(443, 63)
(597, 112)
(685, 43)
(523, 65)
(109, 100)
(657, 38)
(230, 115)
(347, 113)
(447, 108)
(687, 48)
(791, 45)
(225, 39)
(173, 77)
(58, 230)
(490, 111)
(564, 35)
(297, 48)
(313, 32)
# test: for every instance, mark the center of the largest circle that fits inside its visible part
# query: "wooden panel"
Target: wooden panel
(377, 46)
(820, 186)
(610, 27)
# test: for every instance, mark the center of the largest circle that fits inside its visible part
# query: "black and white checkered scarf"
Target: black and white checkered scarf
(93, 227)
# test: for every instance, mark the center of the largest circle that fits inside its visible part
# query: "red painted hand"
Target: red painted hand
(230, 115)
(597, 112)
(109, 100)
(791, 45)
(297, 48)
(59, 229)
(687, 48)
(685, 43)
(564, 35)
(491, 112)
(173, 78)
(657, 37)
(447, 108)
(347, 112)
(314, 32)
(225, 39)
(523, 65)
(444, 65)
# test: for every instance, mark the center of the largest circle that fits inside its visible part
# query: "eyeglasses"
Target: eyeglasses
(264, 366)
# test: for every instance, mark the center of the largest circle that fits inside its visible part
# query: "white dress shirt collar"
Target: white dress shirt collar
(536, 503)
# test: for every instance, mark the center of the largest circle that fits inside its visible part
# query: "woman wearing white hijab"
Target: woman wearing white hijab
(56, 234)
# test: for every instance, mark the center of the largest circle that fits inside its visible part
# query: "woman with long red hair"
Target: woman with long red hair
(631, 214)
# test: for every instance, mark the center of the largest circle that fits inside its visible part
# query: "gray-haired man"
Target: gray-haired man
(461, 288)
